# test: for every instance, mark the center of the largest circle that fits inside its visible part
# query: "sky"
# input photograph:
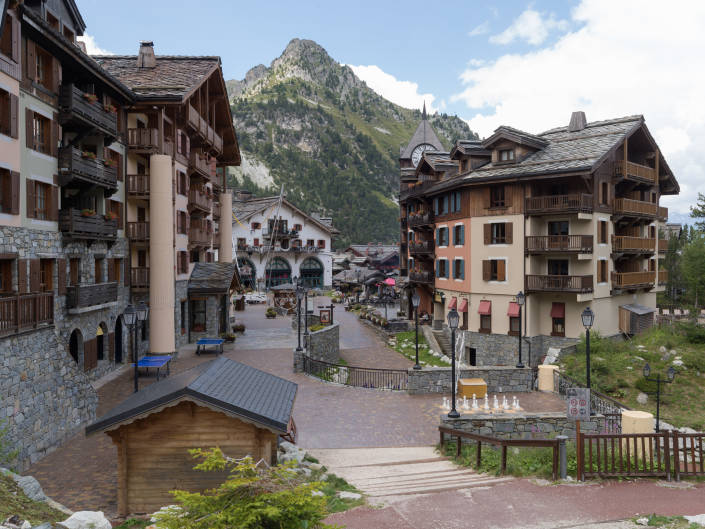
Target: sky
(514, 62)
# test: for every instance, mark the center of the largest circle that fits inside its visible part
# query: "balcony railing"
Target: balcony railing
(662, 245)
(633, 279)
(422, 276)
(199, 164)
(662, 277)
(192, 118)
(139, 277)
(663, 214)
(421, 247)
(279, 233)
(217, 143)
(199, 236)
(199, 200)
(421, 219)
(77, 107)
(138, 231)
(143, 139)
(216, 210)
(75, 225)
(21, 312)
(577, 203)
(634, 208)
(138, 185)
(634, 171)
(83, 296)
(74, 168)
(558, 243)
(633, 244)
(559, 283)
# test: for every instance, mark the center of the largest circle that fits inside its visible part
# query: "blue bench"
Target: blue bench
(155, 361)
(209, 345)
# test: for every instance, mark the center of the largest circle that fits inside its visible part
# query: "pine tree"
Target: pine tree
(698, 212)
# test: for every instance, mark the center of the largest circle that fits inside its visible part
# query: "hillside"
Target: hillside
(308, 123)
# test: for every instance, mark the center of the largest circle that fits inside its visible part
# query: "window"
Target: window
(182, 262)
(99, 262)
(459, 235)
(46, 275)
(485, 323)
(497, 197)
(53, 21)
(499, 233)
(9, 192)
(142, 258)
(321, 244)
(115, 209)
(558, 267)
(41, 204)
(256, 242)
(74, 270)
(298, 227)
(241, 243)
(442, 236)
(604, 193)
(558, 319)
(181, 183)
(9, 40)
(514, 325)
(458, 269)
(69, 34)
(6, 275)
(182, 222)
(309, 243)
(117, 270)
(494, 270)
(436, 209)
(195, 256)
(442, 268)
(444, 211)
(198, 315)
(558, 227)
(506, 155)
(43, 68)
(9, 108)
(602, 232)
(256, 225)
(41, 132)
(602, 271)
(455, 202)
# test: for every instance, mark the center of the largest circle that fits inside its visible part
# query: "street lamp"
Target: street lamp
(299, 298)
(520, 301)
(588, 317)
(415, 301)
(453, 319)
(130, 318)
(305, 311)
(670, 375)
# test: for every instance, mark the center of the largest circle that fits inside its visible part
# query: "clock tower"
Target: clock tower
(424, 139)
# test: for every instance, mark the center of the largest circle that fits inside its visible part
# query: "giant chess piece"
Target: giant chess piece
(474, 402)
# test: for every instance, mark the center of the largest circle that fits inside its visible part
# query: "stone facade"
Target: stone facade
(212, 320)
(324, 345)
(498, 379)
(181, 327)
(523, 425)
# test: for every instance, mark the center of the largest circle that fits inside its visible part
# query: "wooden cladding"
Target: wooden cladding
(559, 203)
(634, 171)
(633, 244)
(638, 208)
(138, 231)
(559, 283)
(81, 296)
(633, 279)
(139, 277)
(90, 354)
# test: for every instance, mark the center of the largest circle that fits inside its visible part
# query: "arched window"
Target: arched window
(312, 272)
(248, 272)
(278, 272)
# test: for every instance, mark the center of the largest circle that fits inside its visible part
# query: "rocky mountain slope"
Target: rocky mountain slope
(310, 124)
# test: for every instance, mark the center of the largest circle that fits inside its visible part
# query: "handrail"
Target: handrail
(635, 170)
(361, 377)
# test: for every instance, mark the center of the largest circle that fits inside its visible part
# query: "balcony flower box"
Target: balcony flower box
(88, 155)
(110, 108)
(91, 98)
(110, 216)
(109, 163)
(87, 213)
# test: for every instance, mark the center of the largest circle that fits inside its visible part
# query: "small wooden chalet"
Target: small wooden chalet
(219, 403)
(209, 290)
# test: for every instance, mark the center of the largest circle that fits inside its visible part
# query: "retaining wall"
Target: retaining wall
(324, 345)
(498, 379)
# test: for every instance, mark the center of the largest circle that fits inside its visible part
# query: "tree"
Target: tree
(694, 268)
(251, 497)
(698, 212)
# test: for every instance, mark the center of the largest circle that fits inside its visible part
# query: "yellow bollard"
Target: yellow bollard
(546, 377)
(634, 421)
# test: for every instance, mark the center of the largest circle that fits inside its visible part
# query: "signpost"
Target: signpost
(578, 409)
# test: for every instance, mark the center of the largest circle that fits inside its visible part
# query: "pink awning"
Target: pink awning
(390, 281)
(463, 305)
(453, 303)
(485, 308)
(513, 311)
(558, 310)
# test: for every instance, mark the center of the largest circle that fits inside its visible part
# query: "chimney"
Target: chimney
(243, 195)
(145, 57)
(577, 121)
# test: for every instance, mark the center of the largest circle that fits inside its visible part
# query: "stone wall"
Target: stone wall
(212, 319)
(324, 345)
(498, 379)
(181, 327)
(523, 425)
(313, 319)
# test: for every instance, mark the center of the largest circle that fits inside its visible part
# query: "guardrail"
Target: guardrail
(359, 377)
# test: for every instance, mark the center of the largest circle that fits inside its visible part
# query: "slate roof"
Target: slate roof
(235, 389)
(350, 276)
(517, 136)
(244, 210)
(373, 250)
(213, 277)
(424, 134)
(469, 147)
(174, 76)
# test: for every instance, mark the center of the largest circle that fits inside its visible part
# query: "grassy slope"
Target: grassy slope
(406, 345)
(13, 501)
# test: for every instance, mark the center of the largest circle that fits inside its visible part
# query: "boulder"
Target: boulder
(317, 493)
(286, 446)
(31, 487)
(86, 520)
(662, 349)
(315, 466)
(346, 495)
(642, 398)
(677, 363)
(698, 519)
(305, 471)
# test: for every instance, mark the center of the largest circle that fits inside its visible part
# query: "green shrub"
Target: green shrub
(239, 327)
(271, 312)
(317, 327)
(693, 333)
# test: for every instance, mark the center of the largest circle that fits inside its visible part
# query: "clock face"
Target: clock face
(418, 151)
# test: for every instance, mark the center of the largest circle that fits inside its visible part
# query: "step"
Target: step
(438, 488)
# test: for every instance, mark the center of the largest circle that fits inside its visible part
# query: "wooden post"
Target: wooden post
(458, 446)
(478, 460)
(667, 454)
(504, 459)
(441, 442)
(578, 451)
(676, 455)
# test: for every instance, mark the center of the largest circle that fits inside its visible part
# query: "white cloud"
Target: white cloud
(531, 26)
(481, 29)
(91, 47)
(629, 57)
(403, 93)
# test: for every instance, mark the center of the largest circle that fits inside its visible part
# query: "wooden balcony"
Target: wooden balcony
(84, 296)
(662, 245)
(139, 277)
(540, 244)
(553, 283)
(78, 111)
(279, 233)
(23, 312)
(421, 247)
(422, 276)
(199, 236)
(199, 201)
(633, 280)
(77, 170)
(633, 245)
(199, 164)
(193, 119)
(216, 210)
(626, 207)
(420, 220)
(217, 143)
(74, 225)
(662, 277)
(143, 140)
(138, 185)
(576, 203)
(634, 171)
(663, 214)
(138, 231)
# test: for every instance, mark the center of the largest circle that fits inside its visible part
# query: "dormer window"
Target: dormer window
(506, 155)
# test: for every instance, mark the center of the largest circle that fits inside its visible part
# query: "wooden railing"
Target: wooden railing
(662, 245)
(74, 224)
(217, 142)
(559, 283)
(216, 210)
(627, 206)
(138, 231)
(74, 103)
(200, 200)
(199, 163)
(20, 312)
(74, 167)
(558, 243)
(663, 213)
(633, 279)
(634, 170)
(138, 184)
(422, 276)
(192, 118)
(199, 236)
(621, 243)
(559, 203)
(421, 219)
(421, 247)
(139, 277)
(82, 296)
(146, 139)
(662, 277)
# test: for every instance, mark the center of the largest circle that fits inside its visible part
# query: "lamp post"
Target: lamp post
(299, 298)
(670, 375)
(453, 319)
(588, 317)
(415, 301)
(520, 301)
(130, 318)
(305, 311)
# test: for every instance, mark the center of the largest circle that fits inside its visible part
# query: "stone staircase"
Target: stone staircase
(443, 342)
(386, 472)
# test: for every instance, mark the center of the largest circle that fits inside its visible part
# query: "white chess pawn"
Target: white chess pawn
(516, 405)
(445, 403)
(487, 402)
(495, 402)
(505, 404)
(514, 401)
(474, 402)
(465, 402)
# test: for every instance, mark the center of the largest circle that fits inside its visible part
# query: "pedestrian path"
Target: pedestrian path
(384, 473)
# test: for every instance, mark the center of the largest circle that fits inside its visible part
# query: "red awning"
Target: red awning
(485, 308)
(453, 303)
(463, 305)
(513, 311)
(558, 310)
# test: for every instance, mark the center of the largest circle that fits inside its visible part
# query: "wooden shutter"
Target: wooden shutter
(54, 149)
(501, 270)
(55, 74)
(31, 202)
(6, 189)
(29, 127)
(488, 233)
(178, 142)
(61, 275)
(462, 268)
(14, 115)
(34, 277)
(486, 270)
(188, 146)
(111, 270)
(90, 355)
(22, 283)
(509, 232)
(16, 42)
(462, 234)
(53, 198)
(30, 65)
(111, 347)
(126, 271)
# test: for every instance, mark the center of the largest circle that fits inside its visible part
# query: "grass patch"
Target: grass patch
(14, 501)
(331, 486)
(406, 345)
(668, 522)
(133, 523)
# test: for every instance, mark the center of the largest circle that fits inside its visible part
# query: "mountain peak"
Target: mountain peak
(303, 48)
